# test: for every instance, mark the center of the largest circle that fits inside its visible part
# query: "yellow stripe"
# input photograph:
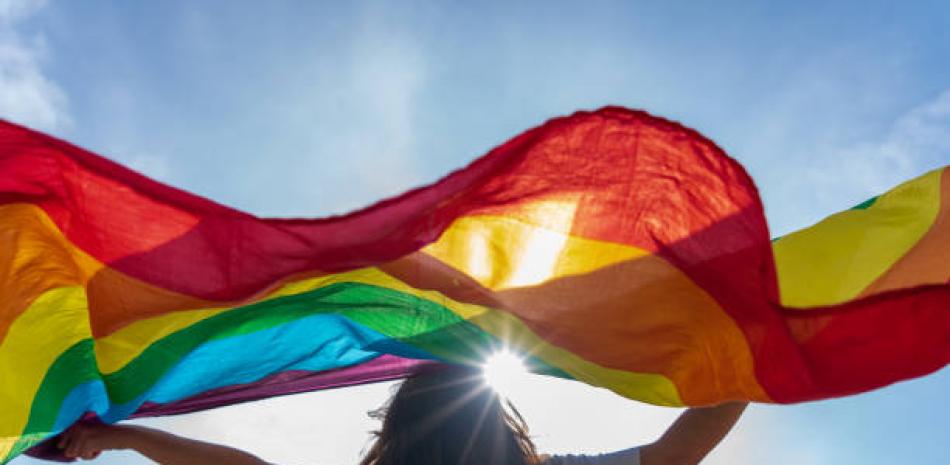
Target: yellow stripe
(834, 260)
(504, 253)
(542, 254)
(498, 237)
(647, 387)
(534, 267)
(34, 258)
(55, 321)
(515, 254)
(116, 350)
(44, 309)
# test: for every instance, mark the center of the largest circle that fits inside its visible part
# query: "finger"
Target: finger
(75, 447)
(64, 438)
(88, 449)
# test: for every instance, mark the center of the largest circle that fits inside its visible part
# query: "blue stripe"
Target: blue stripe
(314, 343)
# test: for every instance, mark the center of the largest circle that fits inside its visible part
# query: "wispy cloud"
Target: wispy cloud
(917, 141)
(15, 10)
(809, 177)
(27, 95)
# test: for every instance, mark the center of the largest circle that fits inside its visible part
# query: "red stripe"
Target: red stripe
(640, 180)
(628, 167)
(875, 341)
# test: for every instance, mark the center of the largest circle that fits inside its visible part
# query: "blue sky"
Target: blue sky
(307, 109)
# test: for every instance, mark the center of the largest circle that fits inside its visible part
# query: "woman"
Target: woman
(444, 417)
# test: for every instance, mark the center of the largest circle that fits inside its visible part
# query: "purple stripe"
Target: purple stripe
(383, 368)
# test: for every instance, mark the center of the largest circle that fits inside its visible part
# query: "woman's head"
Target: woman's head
(449, 417)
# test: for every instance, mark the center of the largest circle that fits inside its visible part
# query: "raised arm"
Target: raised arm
(696, 432)
(87, 441)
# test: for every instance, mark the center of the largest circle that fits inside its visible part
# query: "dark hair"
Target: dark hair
(449, 416)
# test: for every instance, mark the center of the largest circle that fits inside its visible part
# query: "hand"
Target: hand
(693, 435)
(87, 441)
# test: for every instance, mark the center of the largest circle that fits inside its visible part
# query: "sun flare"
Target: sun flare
(503, 370)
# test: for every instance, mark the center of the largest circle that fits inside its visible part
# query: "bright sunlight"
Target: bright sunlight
(503, 371)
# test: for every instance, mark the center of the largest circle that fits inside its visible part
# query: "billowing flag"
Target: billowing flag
(612, 247)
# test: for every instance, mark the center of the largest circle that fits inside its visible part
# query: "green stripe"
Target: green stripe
(861, 206)
(419, 322)
(866, 204)
(75, 366)
(392, 313)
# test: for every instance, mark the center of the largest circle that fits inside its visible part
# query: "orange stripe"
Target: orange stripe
(682, 324)
(642, 315)
(926, 262)
(111, 311)
(34, 258)
(117, 300)
(590, 297)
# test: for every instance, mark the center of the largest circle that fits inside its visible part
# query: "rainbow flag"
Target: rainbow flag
(612, 247)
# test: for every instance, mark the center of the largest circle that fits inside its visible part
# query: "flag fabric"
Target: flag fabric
(611, 247)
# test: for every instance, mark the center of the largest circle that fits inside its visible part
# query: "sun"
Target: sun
(503, 370)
